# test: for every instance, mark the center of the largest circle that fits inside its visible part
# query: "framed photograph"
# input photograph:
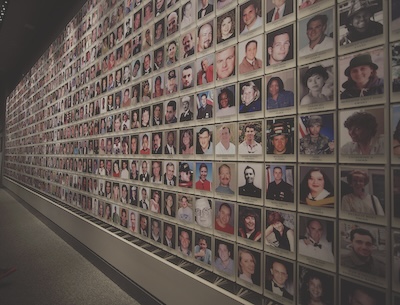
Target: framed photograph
(159, 58)
(133, 221)
(187, 109)
(204, 214)
(250, 56)
(225, 62)
(204, 142)
(250, 139)
(159, 8)
(188, 14)
(316, 241)
(169, 204)
(172, 53)
(205, 105)
(249, 266)
(185, 210)
(169, 239)
(281, 139)
(205, 9)
(186, 142)
(280, 186)
(172, 23)
(170, 140)
(172, 82)
(203, 253)
(156, 171)
(363, 194)
(159, 30)
(170, 172)
(226, 26)
(185, 243)
(251, 17)
(395, 72)
(363, 252)
(353, 291)
(157, 119)
(155, 231)
(144, 225)
(170, 112)
(225, 215)
(394, 23)
(204, 173)
(279, 13)
(205, 70)
(188, 78)
(251, 97)
(188, 42)
(226, 109)
(250, 182)
(280, 90)
(226, 140)
(186, 175)
(205, 37)
(224, 258)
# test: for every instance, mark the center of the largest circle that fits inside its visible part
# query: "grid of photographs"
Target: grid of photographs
(257, 139)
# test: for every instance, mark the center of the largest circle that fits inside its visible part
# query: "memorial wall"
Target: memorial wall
(257, 139)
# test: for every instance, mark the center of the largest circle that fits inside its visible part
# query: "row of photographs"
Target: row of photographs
(360, 193)
(362, 137)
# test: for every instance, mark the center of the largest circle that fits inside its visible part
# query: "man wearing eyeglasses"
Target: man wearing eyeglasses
(203, 213)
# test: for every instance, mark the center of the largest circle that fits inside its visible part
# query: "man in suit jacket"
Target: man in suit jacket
(170, 148)
(281, 9)
(144, 176)
(205, 9)
(169, 236)
(169, 177)
(279, 277)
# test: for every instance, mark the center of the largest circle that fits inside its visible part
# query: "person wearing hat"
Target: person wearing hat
(279, 138)
(172, 86)
(314, 143)
(185, 175)
(358, 22)
(203, 184)
(314, 79)
(362, 78)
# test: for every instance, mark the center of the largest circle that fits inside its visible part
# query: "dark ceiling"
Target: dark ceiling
(28, 29)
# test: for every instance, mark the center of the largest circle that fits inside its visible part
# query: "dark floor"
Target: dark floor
(52, 267)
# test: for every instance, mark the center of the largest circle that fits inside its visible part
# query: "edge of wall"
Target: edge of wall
(159, 277)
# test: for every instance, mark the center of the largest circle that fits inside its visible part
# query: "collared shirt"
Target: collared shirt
(245, 148)
(325, 44)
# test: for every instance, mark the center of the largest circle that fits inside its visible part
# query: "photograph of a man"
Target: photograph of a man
(250, 62)
(281, 8)
(187, 77)
(204, 37)
(249, 145)
(251, 18)
(278, 136)
(204, 143)
(279, 45)
(184, 245)
(278, 277)
(224, 218)
(225, 62)
(188, 45)
(279, 189)
(224, 257)
(249, 189)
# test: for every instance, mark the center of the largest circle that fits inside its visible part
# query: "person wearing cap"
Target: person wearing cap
(279, 138)
(203, 184)
(172, 86)
(186, 114)
(317, 39)
(362, 78)
(315, 143)
(249, 189)
(185, 175)
(359, 21)
(314, 79)
(249, 144)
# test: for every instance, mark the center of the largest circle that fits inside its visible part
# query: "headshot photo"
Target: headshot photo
(186, 143)
(172, 81)
(250, 179)
(317, 83)
(158, 88)
(226, 26)
(362, 74)
(249, 263)
(280, 45)
(316, 239)
(186, 109)
(155, 232)
(249, 223)
(250, 55)
(363, 249)
(277, 9)
(205, 37)
(170, 140)
(169, 235)
(204, 176)
(144, 225)
(203, 213)
(170, 173)
(251, 96)
(159, 58)
(137, 45)
(362, 134)
(188, 14)
(169, 204)
(316, 134)
(250, 138)
(170, 112)
(316, 33)
(225, 140)
(187, 76)
(185, 243)
(172, 22)
(360, 192)
(185, 210)
(159, 30)
(136, 70)
(354, 293)
(171, 53)
(204, 144)
(250, 15)
(280, 90)
(202, 250)
(224, 217)
(280, 182)
(315, 287)
(280, 136)
(224, 257)
(280, 230)
(159, 7)
(279, 277)
(225, 63)
(205, 105)
(186, 174)
(360, 20)
(157, 114)
(317, 186)
(188, 44)
(205, 70)
(226, 101)
(204, 8)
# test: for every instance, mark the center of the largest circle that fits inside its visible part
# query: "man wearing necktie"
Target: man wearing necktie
(279, 276)
(281, 8)
(205, 9)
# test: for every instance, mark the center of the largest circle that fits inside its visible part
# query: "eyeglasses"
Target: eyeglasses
(203, 212)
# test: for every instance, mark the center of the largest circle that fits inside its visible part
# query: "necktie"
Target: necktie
(276, 16)
(276, 286)
(317, 245)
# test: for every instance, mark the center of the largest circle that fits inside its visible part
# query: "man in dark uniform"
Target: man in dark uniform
(249, 189)
(278, 189)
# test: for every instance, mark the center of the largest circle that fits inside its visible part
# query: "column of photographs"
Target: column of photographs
(130, 88)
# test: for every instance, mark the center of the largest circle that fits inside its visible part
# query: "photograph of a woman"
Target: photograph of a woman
(247, 266)
(186, 146)
(226, 26)
(277, 96)
(277, 233)
(316, 288)
(314, 81)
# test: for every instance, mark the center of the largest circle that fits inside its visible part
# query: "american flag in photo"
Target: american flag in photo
(302, 126)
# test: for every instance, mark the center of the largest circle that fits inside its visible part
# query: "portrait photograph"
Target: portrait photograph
(170, 109)
(361, 23)
(249, 266)
(137, 44)
(186, 141)
(280, 90)
(157, 145)
(133, 195)
(395, 196)
(188, 44)
(159, 31)
(205, 105)
(317, 137)
(172, 23)
(226, 26)
(203, 253)
(250, 142)
(204, 141)
(363, 252)
(226, 140)
(315, 286)
(224, 258)
(361, 78)
(205, 9)
(280, 139)
(225, 63)
(279, 185)
(251, 17)
(155, 230)
(158, 110)
(250, 181)
(185, 242)
(205, 37)
(250, 57)
(317, 86)
(317, 189)
(226, 108)
(159, 58)
(136, 69)
(203, 177)
(135, 121)
(169, 236)
(172, 79)
(171, 53)
(279, 279)
(316, 241)
(205, 70)
(279, 12)
(316, 38)
(188, 18)
(251, 97)
(170, 141)
(144, 196)
(169, 204)
(280, 233)
(186, 108)
(363, 194)
(158, 87)
(203, 212)
(188, 78)
(362, 135)
(145, 114)
(352, 292)
(395, 75)
(186, 175)
(185, 212)
(225, 215)
(277, 40)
